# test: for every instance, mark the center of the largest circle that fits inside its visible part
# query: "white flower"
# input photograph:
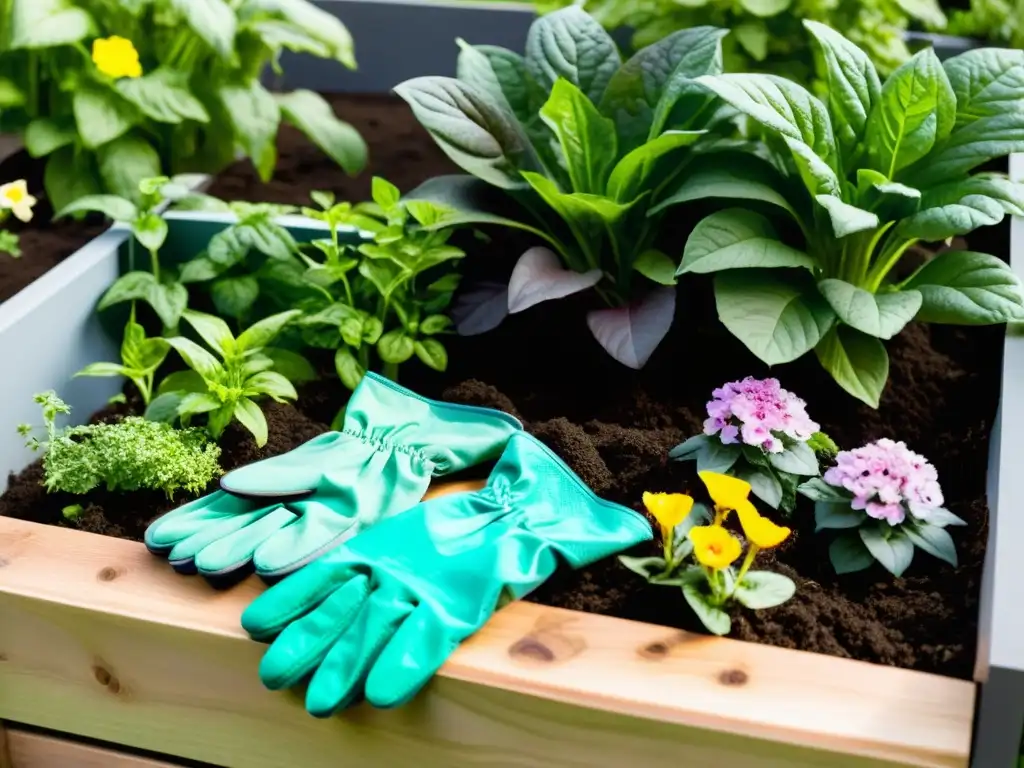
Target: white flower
(15, 196)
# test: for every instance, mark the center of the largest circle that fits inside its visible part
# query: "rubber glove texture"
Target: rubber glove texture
(378, 616)
(280, 513)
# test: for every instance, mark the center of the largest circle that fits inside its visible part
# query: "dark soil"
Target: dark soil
(44, 243)
(615, 427)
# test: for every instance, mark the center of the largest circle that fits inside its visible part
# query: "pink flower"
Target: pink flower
(760, 413)
(887, 481)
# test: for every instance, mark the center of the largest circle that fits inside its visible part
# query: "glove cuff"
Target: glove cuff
(447, 437)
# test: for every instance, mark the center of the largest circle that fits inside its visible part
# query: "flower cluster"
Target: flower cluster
(758, 412)
(116, 57)
(887, 480)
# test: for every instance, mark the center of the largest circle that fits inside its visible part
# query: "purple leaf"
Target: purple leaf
(631, 334)
(539, 276)
(480, 309)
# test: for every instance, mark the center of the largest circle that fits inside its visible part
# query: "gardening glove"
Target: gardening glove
(376, 617)
(282, 512)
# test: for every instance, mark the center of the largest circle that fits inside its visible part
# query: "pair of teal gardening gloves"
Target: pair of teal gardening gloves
(380, 586)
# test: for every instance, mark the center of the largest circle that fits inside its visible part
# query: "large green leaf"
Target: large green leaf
(794, 114)
(500, 73)
(69, 175)
(315, 22)
(48, 23)
(101, 113)
(968, 288)
(588, 142)
(778, 316)
(126, 161)
(857, 362)
(255, 118)
(45, 135)
(471, 128)
(570, 43)
(112, 206)
(881, 315)
(852, 84)
(987, 82)
(641, 95)
(736, 239)
(916, 109)
(211, 20)
(314, 116)
(163, 95)
(959, 207)
(630, 173)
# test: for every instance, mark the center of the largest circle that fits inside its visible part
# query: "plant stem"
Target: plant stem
(154, 259)
(886, 262)
(390, 371)
(747, 562)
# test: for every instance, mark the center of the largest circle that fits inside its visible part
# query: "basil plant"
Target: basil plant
(864, 177)
(587, 146)
(111, 92)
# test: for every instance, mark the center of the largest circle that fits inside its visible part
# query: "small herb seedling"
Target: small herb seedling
(227, 389)
(140, 359)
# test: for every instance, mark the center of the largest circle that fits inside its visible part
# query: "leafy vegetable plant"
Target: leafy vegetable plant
(115, 91)
(381, 300)
(590, 148)
(128, 455)
(760, 433)
(140, 359)
(864, 177)
(699, 553)
(14, 199)
(226, 389)
(159, 288)
(995, 21)
(884, 500)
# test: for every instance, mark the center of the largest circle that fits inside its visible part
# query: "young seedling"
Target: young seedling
(228, 388)
(140, 359)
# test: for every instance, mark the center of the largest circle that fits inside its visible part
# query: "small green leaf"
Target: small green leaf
(212, 20)
(967, 288)
(126, 161)
(150, 230)
(858, 362)
(588, 139)
(717, 457)
(129, 287)
(816, 489)
(763, 484)
(934, 540)
(499, 72)
(70, 174)
(262, 333)
(197, 358)
(943, 517)
(272, 384)
(164, 95)
(796, 459)
(892, 548)
(251, 417)
(689, 448)
(40, 24)
(349, 370)
(846, 219)
(101, 114)
(837, 514)
(629, 174)
(711, 616)
(737, 239)
(168, 300)
(656, 266)
(235, 296)
(112, 206)
(164, 407)
(103, 369)
(848, 554)
(881, 315)
(182, 381)
(196, 403)
(395, 347)
(765, 8)
(45, 135)
(291, 365)
(764, 589)
(432, 325)
(648, 567)
(212, 330)
(432, 353)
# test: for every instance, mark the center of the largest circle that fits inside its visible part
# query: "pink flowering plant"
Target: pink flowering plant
(886, 501)
(761, 433)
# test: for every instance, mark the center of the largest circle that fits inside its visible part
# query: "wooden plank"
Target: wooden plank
(100, 638)
(38, 750)
(5, 753)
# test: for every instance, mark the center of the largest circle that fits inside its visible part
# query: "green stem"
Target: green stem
(33, 84)
(747, 562)
(154, 258)
(885, 264)
(390, 371)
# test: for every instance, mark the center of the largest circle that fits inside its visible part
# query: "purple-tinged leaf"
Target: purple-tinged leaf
(480, 308)
(631, 334)
(539, 276)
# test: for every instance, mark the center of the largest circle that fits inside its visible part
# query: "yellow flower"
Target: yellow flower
(15, 197)
(116, 57)
(714, 546)
(669, 509)
(727, 492)
(761, 531)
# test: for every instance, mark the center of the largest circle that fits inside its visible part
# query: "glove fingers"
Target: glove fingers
(338, 682)
(235, 550)
(181, 523)
(417, 651)
(302, 645)
(316, 530)
(214, 530)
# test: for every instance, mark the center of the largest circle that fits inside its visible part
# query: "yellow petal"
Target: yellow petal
(714, 547)
(726, 491)
(669, 509)
(761, 531)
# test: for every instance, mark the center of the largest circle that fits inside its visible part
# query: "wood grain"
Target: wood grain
(37, 750)
(100, 638)
(5, 752)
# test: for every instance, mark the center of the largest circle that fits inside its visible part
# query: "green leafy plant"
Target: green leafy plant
(995, 21)
(767, 35)
(698, 553)
(115, 91)
(590, 148)
(382, 300)
(863, 178)
(227, 389)
(159, 288)
(140, 359)
(128, 455)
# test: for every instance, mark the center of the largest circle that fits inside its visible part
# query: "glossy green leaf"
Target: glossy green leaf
(881, 315)
(164, 95)
(255, 117)
(313, 115)
(212, 330)
(112, 206)
(235, 296)
(817, 489)
(316, 22)
(291, 365)
(197, 358)
(570, 43)
(270, 383)
(891, 548)
(837, 515)
(150, 230)
(934, 540)
(764, 589)
(251, 417)
(45, 135)
(736, 239)
(717, 457)
(432, 353)
(499, 72)
(47, 23)
(262, 333)
(967, 288)
(126, 161)
(587, 139)
(763, 484)
(212, 20)
(797, 459)
(656, 266)
(714, 619)
(349, 370)
(846, 219)
(858, 362)
(101, 114)
(848, 554)
(70, 174)
(629, 174)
